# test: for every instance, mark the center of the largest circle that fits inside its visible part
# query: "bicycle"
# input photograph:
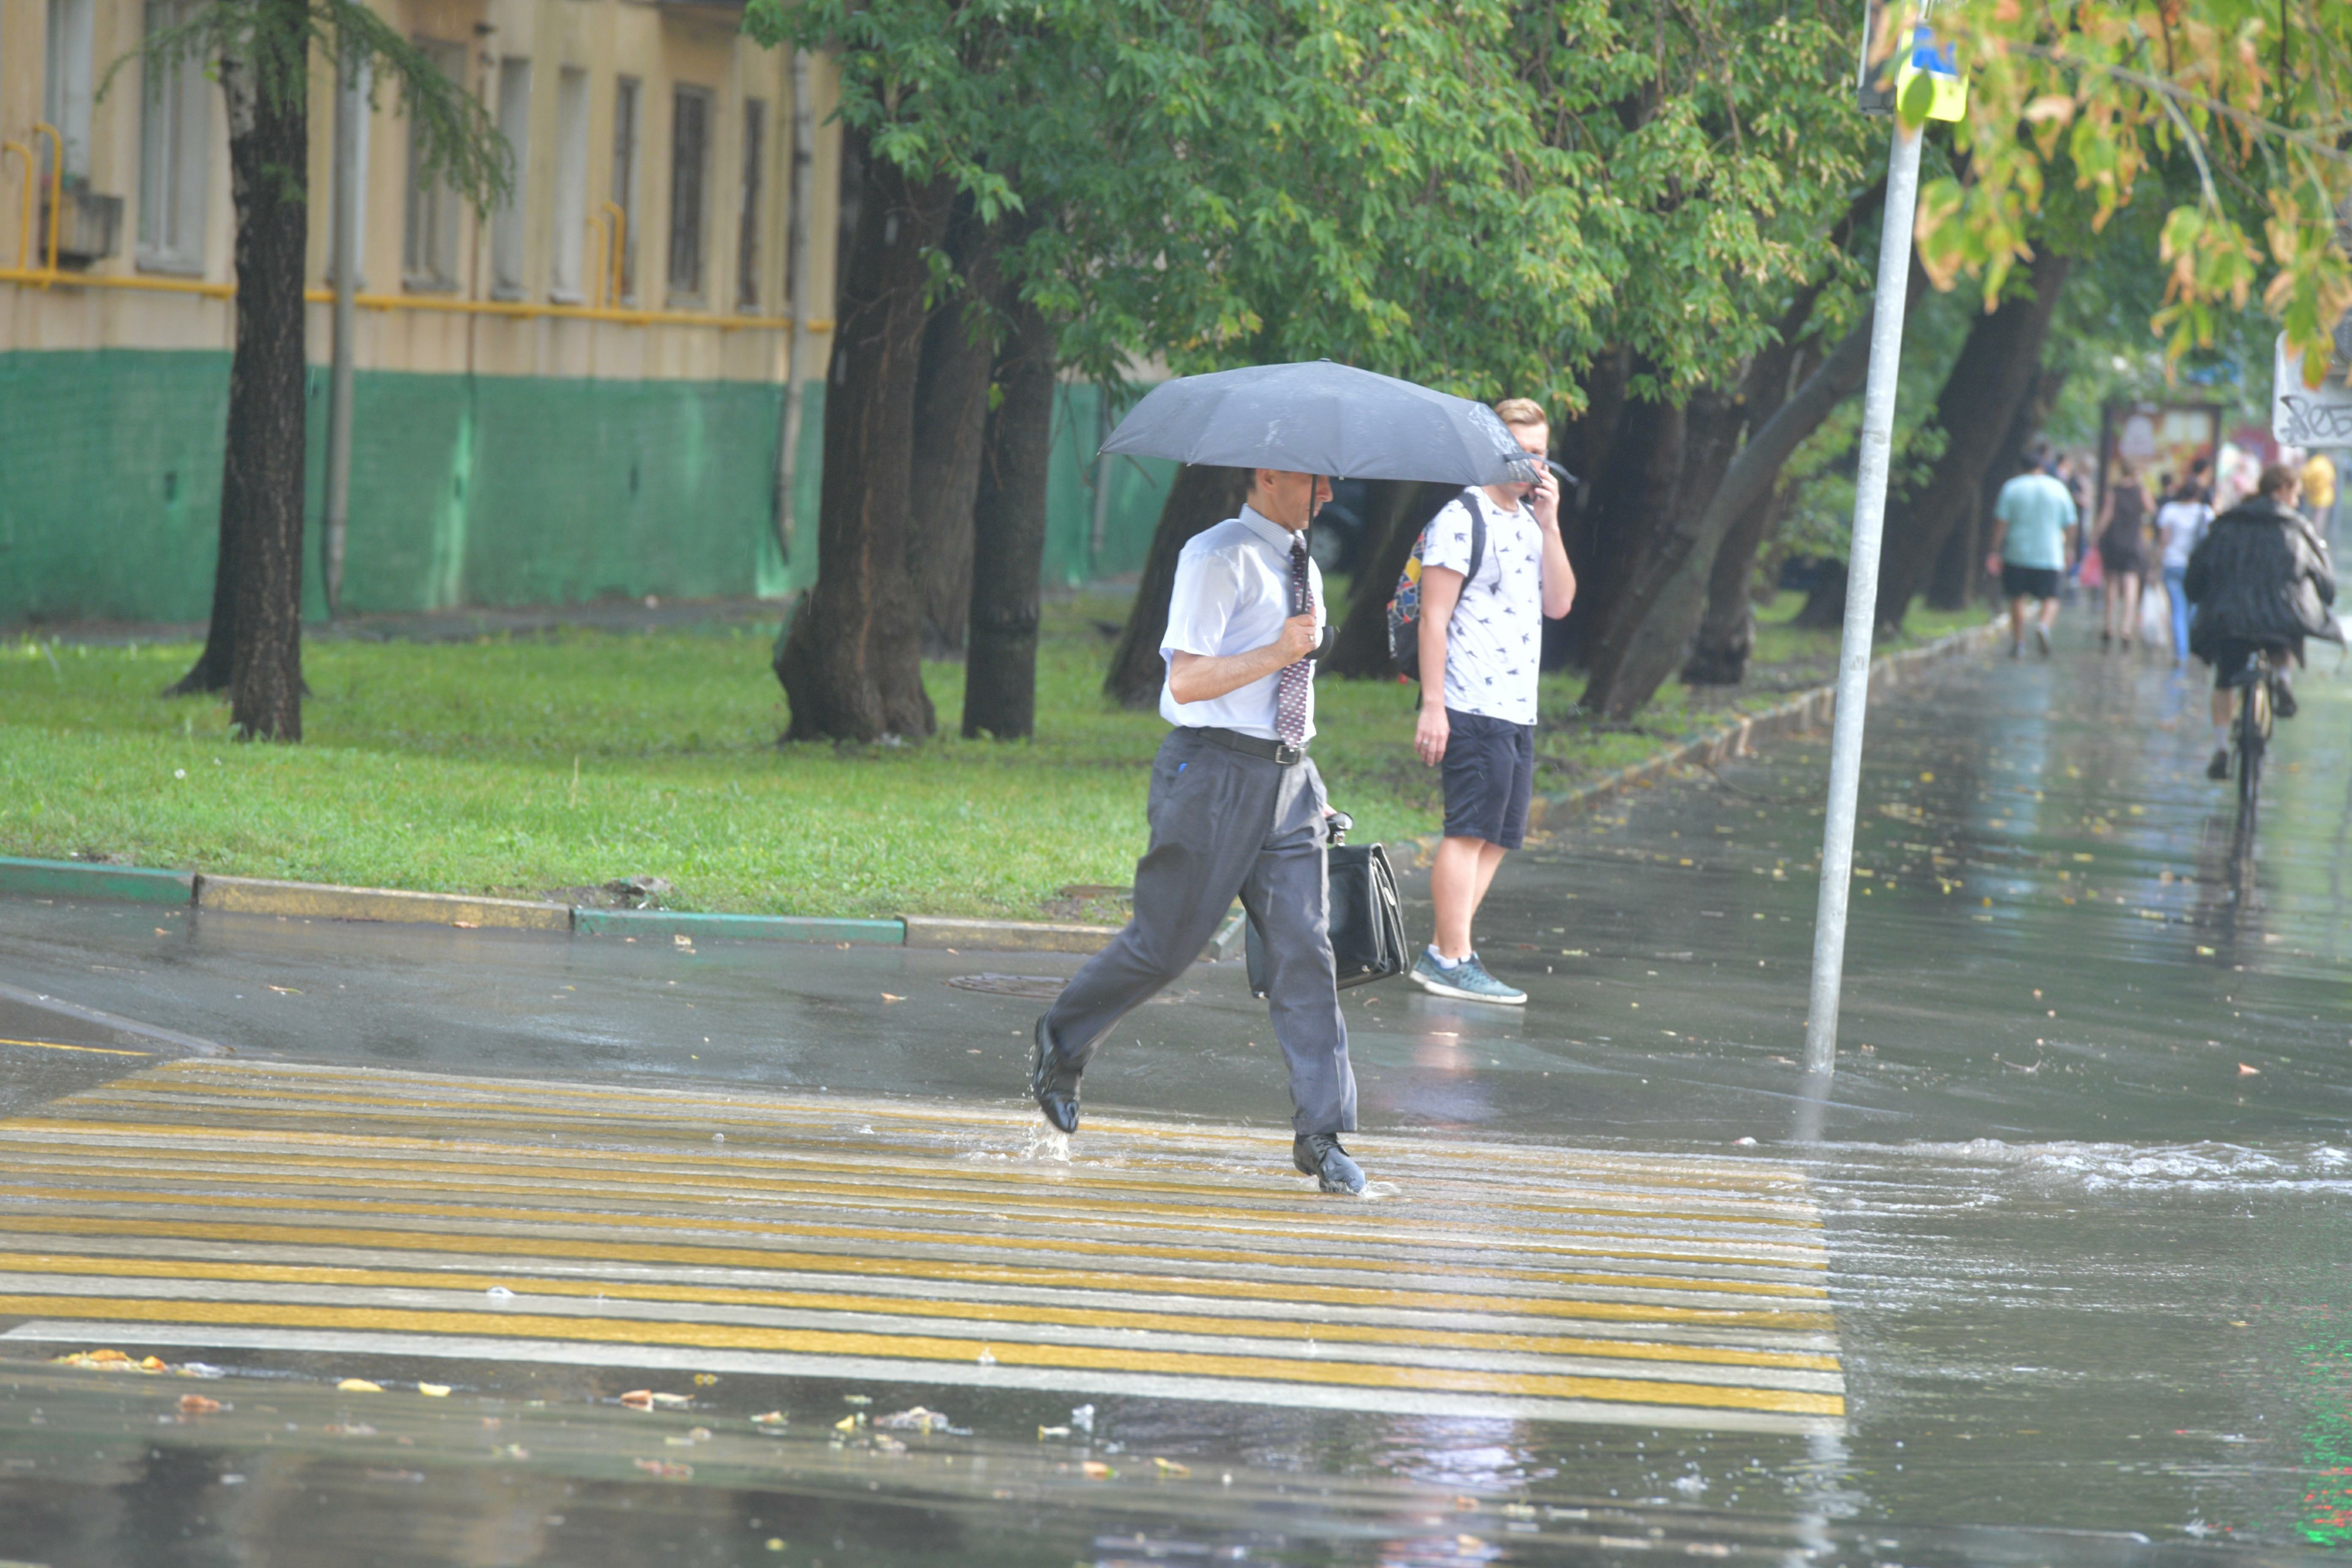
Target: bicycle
(2251, 736)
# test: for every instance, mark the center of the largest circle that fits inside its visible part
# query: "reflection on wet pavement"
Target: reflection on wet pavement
(2081, 1174)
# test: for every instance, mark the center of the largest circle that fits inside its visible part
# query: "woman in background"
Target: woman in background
(2180, 522)
(2122, 554)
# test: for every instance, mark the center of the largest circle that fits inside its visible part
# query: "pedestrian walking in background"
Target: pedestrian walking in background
(2180, 522)
(2320, 493)
(2122, 555)
(1492, 567)
(2260, 580)
(1235, 809)
(2034, 522)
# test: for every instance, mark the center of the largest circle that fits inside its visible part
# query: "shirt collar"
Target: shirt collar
(1266, 528)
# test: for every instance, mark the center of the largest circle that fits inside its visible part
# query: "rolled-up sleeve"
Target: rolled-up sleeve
(1207, 584)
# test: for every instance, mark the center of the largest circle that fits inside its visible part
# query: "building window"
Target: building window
(508, 235)
(429, 256)
(690, 165)
(747, 235)
(64, 91)
(173, 156)
(571, 185)
(625, 181)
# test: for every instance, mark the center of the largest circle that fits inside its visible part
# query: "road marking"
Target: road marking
(832, 1238)
(58, 1046)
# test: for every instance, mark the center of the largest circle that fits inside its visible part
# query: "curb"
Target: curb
(82, 880)
(1806, 712)
(775, 928)
(316, 900)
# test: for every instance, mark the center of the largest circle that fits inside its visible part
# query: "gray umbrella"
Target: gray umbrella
(1323, 418)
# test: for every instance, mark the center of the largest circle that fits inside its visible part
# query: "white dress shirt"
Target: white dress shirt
(1232, 595)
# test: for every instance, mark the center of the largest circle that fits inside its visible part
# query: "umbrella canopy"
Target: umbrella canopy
(1323, 418)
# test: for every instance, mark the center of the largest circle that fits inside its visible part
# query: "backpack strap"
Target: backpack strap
(1477, 504)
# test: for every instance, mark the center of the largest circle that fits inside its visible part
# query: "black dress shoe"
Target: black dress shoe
(1053, 1086)
(1318, 1154)
(2283, 700)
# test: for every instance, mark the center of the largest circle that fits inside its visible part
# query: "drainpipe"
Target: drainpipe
(796, 236)
(350, 104)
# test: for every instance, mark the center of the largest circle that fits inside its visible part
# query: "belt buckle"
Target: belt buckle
(1287, 755)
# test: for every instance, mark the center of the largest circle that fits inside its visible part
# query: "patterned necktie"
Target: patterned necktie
(1290, 695)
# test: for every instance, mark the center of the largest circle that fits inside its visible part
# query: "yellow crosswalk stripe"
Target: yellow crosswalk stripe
(267, 1204)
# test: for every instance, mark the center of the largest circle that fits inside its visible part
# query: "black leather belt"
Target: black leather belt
(1281, 751)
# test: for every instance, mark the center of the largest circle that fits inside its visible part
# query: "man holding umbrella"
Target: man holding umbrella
(1235, 808)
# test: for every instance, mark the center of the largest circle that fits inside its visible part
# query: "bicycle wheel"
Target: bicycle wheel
(2253, 737)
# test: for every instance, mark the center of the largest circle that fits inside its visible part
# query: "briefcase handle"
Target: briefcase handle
(1339, 823)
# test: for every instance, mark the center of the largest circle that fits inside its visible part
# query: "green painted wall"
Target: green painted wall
(481, 490)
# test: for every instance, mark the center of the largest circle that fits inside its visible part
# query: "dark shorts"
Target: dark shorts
(1490, 773)
(2028, 582)
(2233, 660)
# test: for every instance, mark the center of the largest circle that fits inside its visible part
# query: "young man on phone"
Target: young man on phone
(1481, 647)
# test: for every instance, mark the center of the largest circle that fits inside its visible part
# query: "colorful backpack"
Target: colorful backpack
(1405, 607)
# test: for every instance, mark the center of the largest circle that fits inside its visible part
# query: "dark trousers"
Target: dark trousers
(1224, 824)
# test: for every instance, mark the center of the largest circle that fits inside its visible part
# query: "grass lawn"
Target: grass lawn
(526, 764)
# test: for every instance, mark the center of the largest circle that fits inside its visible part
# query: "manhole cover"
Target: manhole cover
(1043, 987)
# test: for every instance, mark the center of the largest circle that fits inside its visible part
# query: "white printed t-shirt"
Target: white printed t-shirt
(1494, 644)
(2183, 523)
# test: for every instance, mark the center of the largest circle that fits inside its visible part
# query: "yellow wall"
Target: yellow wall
(406, 328)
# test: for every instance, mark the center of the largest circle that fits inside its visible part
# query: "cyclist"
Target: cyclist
(2260, 580)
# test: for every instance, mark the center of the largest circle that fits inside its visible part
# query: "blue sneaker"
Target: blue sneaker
(1466, 981)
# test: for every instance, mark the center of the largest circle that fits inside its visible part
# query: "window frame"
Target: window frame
(174, 158)
(687, 279)
(433, 217)
(511, 224)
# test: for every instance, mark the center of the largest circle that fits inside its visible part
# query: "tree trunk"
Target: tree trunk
(1587, 444)
(1824, 607)
(850, 665)
(951, 420)
(999, 688)
(1404, 507)
(1727, 630)
(261, 474)
(1666, 603)
(1975, 408)
(1200, 498)
(1958, 574)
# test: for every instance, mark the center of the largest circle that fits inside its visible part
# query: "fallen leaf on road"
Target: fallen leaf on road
(286, 990)
(888, 998)
(197, 1405)
(2245, 1071)
(433, 1390)
(358, 1385)
(1095, 1470)
(916, 1420)
(773, 1418)
(849, 1423)
(467, 925)
(884, 1444)
(1170, 1468)
(705, 1379)
(668, 1470)
(1045, 1432)
(638, 1399)
(857, 1398)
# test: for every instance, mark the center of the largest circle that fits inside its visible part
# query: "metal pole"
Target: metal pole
(1862, 597)
(1102, 481)
(350, 105)
(796, 237)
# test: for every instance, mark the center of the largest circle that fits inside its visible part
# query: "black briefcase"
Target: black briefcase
(1367, 920)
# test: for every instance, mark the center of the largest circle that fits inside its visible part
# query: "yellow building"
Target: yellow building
(576, 396)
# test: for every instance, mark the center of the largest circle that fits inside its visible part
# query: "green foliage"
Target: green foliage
(2091, 95)
(1480, 196)
(523, 765)
(274, 40)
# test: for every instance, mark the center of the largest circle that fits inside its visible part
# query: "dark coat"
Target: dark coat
(2259, 574)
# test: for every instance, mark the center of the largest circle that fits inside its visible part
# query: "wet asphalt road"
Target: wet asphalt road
(2082, 1170)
